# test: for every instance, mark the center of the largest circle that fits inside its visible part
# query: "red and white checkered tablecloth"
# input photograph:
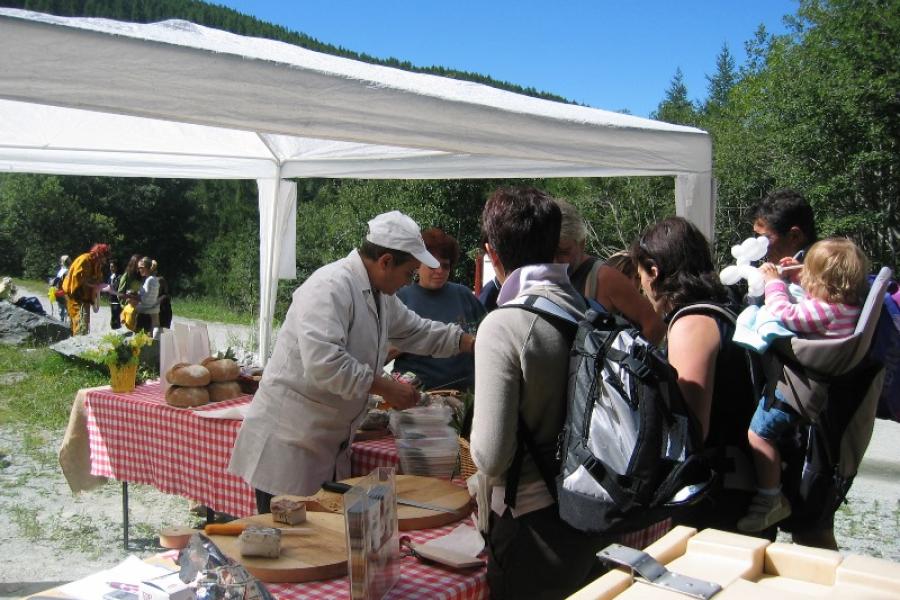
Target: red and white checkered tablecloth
(137, 437)
(371, 454)
(417, 580)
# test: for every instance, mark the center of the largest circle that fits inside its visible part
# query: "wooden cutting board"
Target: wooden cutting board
(321, 554)
(433, 491)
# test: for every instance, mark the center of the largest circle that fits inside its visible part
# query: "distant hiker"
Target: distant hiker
(82, 285)
(115, 306)
(59, 296)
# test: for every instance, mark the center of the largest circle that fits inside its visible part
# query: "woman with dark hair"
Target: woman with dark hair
(676, 271)
(521, 375)
(436, 298)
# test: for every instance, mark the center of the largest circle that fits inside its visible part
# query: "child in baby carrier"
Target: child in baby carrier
(834, 282)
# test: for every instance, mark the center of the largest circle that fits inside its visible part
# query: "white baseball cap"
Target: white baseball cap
(396, 231)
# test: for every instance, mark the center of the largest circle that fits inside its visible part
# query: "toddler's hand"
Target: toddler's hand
(768, 272)
(792, 275)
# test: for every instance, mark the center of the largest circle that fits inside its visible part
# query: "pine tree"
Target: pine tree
(723, 80)
(675, 107)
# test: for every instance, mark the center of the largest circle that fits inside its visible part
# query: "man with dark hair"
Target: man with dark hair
(786, 218)
(329, 357)
(521, 372)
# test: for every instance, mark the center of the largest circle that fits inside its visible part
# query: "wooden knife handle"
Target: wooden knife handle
(224, 529)
(335, 486)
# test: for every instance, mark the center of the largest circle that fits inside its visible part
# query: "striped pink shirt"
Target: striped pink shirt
(810, 316)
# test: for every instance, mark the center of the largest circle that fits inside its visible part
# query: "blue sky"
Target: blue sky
(607, 54)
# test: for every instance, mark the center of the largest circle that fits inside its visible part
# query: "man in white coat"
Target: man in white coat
(328, 358)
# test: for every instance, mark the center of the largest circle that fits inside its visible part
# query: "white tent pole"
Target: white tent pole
(268, 241)
(694, 201)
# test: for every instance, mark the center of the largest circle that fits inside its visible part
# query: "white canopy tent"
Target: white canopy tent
(83, 96)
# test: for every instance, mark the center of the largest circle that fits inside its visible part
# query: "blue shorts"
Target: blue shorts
(773, 423)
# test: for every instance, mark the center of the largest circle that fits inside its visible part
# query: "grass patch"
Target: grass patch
(44, 397)
(204, 309)
(25, 519)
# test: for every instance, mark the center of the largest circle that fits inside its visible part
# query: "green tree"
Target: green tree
(817, 109)
(722, 81)
(676, 107)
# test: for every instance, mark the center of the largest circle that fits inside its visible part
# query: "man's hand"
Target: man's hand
(398, 395)
(467, 343)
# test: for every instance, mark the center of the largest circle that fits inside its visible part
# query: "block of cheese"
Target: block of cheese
(288, 509)
(260, 541)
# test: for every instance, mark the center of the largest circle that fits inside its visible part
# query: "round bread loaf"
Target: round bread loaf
(222, 369)
(186, 397)
(188, 375)
(223, 390)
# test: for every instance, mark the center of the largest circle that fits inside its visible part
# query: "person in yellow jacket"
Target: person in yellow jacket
(82, 285)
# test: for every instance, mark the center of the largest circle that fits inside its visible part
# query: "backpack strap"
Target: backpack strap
(551, 311)
(524, 440)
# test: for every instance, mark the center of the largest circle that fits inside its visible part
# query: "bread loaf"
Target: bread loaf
(186, 397)
(288, 509)
(188, 375)
(222, 369)
(224, 390)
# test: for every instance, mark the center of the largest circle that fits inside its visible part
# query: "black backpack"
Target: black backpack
(629, 451)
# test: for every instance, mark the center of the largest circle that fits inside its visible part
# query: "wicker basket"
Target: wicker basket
(466, 468)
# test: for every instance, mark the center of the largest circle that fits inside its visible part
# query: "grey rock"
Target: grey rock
(77, 345)
(19, 326)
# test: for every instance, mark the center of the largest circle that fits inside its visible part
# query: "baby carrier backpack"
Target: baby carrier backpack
(627, 455)
(834, 384)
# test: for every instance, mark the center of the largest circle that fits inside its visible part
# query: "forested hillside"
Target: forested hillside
(817, 109)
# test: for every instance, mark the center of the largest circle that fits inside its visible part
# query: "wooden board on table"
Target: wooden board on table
(321, 554)
(425, 489)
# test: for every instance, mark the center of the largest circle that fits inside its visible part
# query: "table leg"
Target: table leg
(125, 514)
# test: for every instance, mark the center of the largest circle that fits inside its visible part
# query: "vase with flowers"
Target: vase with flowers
(121, 354)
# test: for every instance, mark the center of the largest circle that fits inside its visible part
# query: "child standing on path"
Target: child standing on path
(833, 277)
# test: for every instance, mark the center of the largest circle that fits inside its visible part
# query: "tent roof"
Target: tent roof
(175, 99)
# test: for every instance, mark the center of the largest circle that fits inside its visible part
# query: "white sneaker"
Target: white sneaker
(765, 511)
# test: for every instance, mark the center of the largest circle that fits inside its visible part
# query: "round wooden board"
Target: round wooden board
(321, 554)
(433, 491)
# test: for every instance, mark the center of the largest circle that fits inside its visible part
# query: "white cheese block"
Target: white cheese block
(260, 541)
(288, 509)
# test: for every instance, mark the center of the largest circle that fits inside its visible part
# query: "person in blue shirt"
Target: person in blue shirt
(433, 296)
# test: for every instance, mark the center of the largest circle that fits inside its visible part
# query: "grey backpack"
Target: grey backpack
(629, 451)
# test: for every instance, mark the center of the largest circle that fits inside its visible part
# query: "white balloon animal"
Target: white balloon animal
(749, 250)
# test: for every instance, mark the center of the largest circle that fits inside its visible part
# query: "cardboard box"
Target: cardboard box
(165, 587)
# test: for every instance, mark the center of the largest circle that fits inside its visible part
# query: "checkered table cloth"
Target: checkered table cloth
(137, 437)
(417, 580)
